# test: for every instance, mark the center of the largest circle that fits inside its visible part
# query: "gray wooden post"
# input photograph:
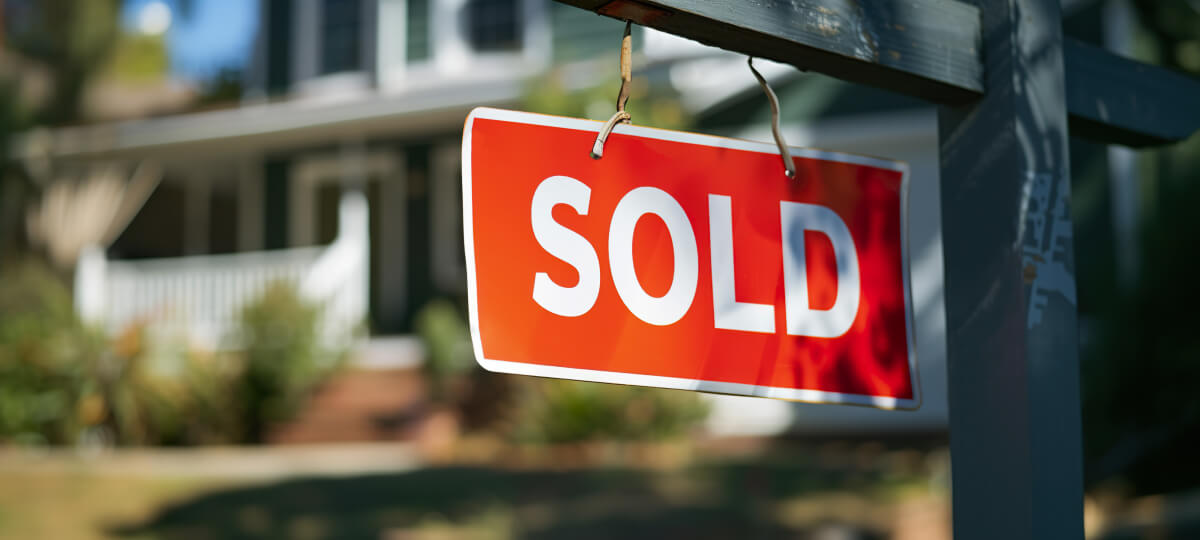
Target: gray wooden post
(1013, 363)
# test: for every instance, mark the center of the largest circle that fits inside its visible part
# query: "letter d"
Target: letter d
(801, 320)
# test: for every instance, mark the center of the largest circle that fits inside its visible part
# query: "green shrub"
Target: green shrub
(560, 411)
(49, 361)
(163, 392)
(62, 382)
(449, 357)
(281, 358)
(546, 411)
(166, 393)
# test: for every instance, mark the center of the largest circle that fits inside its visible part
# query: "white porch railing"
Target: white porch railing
(204, 295)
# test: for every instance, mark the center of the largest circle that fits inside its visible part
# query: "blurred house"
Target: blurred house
(340, 170)
(342, 96)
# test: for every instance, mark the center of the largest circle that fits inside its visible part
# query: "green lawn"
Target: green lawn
(79, 505)
(777, 495)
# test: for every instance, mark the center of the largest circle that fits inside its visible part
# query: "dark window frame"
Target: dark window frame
(493, 26)
(341, 48)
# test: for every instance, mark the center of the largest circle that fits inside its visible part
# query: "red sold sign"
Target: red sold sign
(686, 261)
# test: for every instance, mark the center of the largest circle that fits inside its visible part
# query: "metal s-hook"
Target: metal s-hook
(622, 96)
(788, 165)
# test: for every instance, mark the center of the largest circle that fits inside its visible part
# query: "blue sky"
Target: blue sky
(216, 34)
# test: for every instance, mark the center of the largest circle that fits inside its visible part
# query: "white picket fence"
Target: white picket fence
(202, 296)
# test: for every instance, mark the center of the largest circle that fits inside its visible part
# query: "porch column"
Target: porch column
(393, 254)
(250, 205)
(197, 209)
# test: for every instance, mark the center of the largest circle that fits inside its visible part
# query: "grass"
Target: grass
(84, 505)
(786, 495)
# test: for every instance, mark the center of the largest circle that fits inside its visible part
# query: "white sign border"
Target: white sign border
(718, 387)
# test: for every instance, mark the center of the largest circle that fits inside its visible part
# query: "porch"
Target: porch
(200, 296)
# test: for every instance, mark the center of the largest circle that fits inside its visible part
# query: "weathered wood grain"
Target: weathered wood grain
(928, 49)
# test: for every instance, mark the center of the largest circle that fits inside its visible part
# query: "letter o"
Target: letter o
(670, 307)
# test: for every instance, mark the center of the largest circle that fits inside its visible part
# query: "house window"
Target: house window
(341, 24)
(279, 45)
(493, 25)
(417, 31)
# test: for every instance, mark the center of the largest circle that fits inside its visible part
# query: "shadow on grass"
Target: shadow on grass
(716, 501)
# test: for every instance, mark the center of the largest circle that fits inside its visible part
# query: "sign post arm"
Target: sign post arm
(1116, 100)
(1012, 344)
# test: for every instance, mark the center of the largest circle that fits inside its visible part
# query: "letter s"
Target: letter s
(566, 245)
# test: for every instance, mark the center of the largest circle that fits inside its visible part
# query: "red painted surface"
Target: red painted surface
(504, 163)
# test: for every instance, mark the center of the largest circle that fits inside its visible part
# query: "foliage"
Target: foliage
(559, 411)
(48, 360)
(544, 411)
(1174, 26)
(447, 339)
(1140, 409)
(655, 105)
(282, 357)
(64, 383)
(138, 57)
(51, 49)
(71, 38)
(160, 391)
(225, 88)
(171, 394)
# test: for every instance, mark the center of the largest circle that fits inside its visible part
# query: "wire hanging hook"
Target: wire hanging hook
(622, 96)
(789, 166)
